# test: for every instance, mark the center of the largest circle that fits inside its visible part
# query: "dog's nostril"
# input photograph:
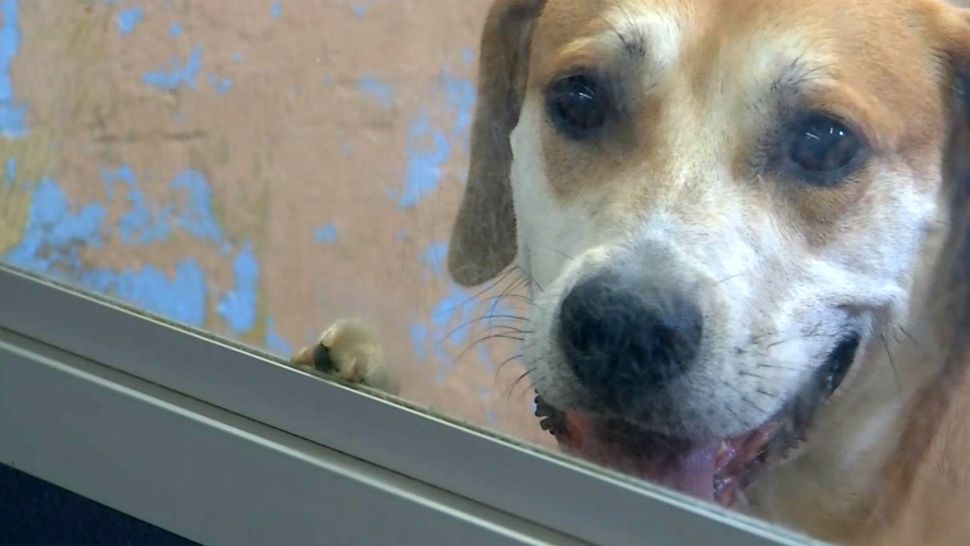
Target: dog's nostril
(622, 341)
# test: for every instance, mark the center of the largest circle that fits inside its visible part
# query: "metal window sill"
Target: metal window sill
(223, 445)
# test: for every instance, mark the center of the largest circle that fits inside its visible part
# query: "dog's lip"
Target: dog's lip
(717, 470)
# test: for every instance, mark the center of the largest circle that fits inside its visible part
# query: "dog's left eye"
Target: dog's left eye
(821, 149)
(577, 105)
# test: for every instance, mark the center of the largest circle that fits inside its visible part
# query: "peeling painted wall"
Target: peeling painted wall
(258, 168)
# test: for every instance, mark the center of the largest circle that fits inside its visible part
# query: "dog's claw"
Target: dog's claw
(321, 359)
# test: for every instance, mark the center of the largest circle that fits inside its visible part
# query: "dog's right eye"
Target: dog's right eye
(577, 106)
(821, 149)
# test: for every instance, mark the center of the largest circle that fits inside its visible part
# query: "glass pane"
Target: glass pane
(724, 241)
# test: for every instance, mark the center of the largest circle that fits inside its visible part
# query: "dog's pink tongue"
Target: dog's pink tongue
(696, 473)
(691, 472)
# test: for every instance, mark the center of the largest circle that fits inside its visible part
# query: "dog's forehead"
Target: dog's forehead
(874, 62)
(875, 39)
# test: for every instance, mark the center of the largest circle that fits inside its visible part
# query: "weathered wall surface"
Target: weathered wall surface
(258, 168)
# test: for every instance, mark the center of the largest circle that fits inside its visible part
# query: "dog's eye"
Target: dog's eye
(577, 105)
(821, 149)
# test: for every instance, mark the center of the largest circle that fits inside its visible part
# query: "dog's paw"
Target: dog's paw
(350, 350)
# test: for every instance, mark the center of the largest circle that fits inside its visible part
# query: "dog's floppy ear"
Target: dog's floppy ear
(483, 238)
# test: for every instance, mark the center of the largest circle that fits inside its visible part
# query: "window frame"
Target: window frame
(73, 351)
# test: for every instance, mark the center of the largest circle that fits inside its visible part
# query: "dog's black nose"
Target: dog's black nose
(624, 341)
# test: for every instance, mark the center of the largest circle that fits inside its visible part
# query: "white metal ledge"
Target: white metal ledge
(226, 446)
(212, 476)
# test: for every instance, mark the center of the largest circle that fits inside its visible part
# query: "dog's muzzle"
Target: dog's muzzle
(627, 342)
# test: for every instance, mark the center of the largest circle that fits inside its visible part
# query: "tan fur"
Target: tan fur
(905, 53)
(926, 493)
(699, 87)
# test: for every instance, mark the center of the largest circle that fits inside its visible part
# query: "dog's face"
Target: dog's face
(721, 205)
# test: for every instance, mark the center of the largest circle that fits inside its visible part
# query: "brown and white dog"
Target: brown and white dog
(744, 224)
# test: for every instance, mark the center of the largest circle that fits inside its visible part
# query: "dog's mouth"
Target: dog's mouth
(718, 470)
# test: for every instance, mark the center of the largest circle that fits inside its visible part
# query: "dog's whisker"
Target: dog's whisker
(508, 290)
(730, 277)
(811, 335)
(772, 361)
(481, 340)
(482, 318)
(751, 403)
(510, 390)
(781, 367)
(771, 395)
(892, 362)
(517, 297)
(501, 277)
(744, 397)
(908, 335)
(552, 250)
(733, 412)
(513, 358)
(531, 280)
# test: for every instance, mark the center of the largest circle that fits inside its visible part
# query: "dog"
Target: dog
(744, 224)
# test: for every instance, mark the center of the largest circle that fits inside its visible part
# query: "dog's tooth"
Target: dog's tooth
(723, 454)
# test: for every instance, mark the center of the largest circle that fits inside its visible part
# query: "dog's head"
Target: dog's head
(722, 206)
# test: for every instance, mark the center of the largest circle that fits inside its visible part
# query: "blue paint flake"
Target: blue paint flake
(128, 19)
(175, 30)
(177, 75)
(54, 235)
(12, 112)
(375, 89)
(419, 340)
(326, 234)
(137, 225)
(485, 358)
(424, 162)
(275, 343)
(359, 10)
(451, 326)
(276, 9)
(467, 56)
(10, 173)
(221, 85)
(236, 57)
(454, 309)
(434, 258)
(460, 93)
(181, 298)
(491, 418)
(238, 306)
(197, 217)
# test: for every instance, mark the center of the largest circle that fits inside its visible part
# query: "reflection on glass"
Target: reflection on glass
(702, 249)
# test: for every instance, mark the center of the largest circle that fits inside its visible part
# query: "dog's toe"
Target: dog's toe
(350, 350)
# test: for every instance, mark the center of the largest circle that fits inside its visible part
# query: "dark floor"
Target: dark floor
(36, 513)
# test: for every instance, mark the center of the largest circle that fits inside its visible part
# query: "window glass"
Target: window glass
(723, 241)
